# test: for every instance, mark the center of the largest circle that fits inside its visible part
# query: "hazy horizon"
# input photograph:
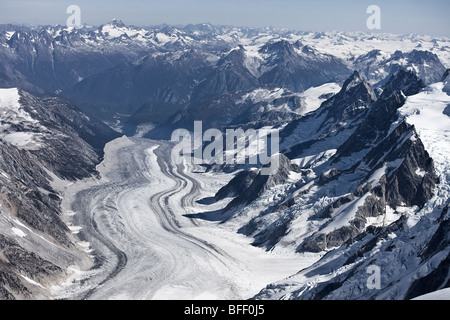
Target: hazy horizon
(399, 17)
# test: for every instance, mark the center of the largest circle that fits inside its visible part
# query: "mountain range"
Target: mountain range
(364, 133)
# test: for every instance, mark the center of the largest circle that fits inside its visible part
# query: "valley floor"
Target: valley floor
(135, 224)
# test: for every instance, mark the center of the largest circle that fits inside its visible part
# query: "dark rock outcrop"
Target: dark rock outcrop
(446, 80)
(67, 145)
(229, 76)
(382, 114)
(400, 185)
(334, 121)
(299, 67)
(402, 81)
(263, 182)
(241, 182)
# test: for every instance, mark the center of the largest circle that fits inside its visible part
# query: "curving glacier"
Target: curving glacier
(135, 226)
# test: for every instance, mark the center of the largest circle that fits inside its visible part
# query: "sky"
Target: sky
(397, 16)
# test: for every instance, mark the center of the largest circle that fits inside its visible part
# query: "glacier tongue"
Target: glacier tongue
(138, 218)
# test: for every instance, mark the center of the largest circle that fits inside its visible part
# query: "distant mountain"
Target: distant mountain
(162, 78)
(116, 70)
(298, 67)
(54, 59)
(377, 66)
(230, 75)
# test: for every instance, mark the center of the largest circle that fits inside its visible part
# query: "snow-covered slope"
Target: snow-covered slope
(363, 179)
(44, 144)
(13, 115)
(426, 112)
(90, 64)
(378, 66)
(350, 45)
(409, 245)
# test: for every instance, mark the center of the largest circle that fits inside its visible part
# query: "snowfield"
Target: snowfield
(401, 266)
(11, 112)
(134, 221)
(13, 115)
(443, 294)
(426, 112)
(315, 96)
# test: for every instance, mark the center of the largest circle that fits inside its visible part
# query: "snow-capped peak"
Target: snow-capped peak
(352, 81)
(117, 23)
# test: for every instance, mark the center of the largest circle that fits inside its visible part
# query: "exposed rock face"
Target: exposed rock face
(382, 114)
(413, 182)
(299, 67)
(26, 192)
(400, 185)
(230, 75)
(401, 153)
(447, 111)
(333, 122)
(438, 278)
(446, 80)
(263, 182)
(329, 176)
(16, 260)
(356, 94)
(403, 81)
(41, 140)
(446, 73)
(425, 271)
(435, 280)
(378, 66)
(81, 138)
(241, 182)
